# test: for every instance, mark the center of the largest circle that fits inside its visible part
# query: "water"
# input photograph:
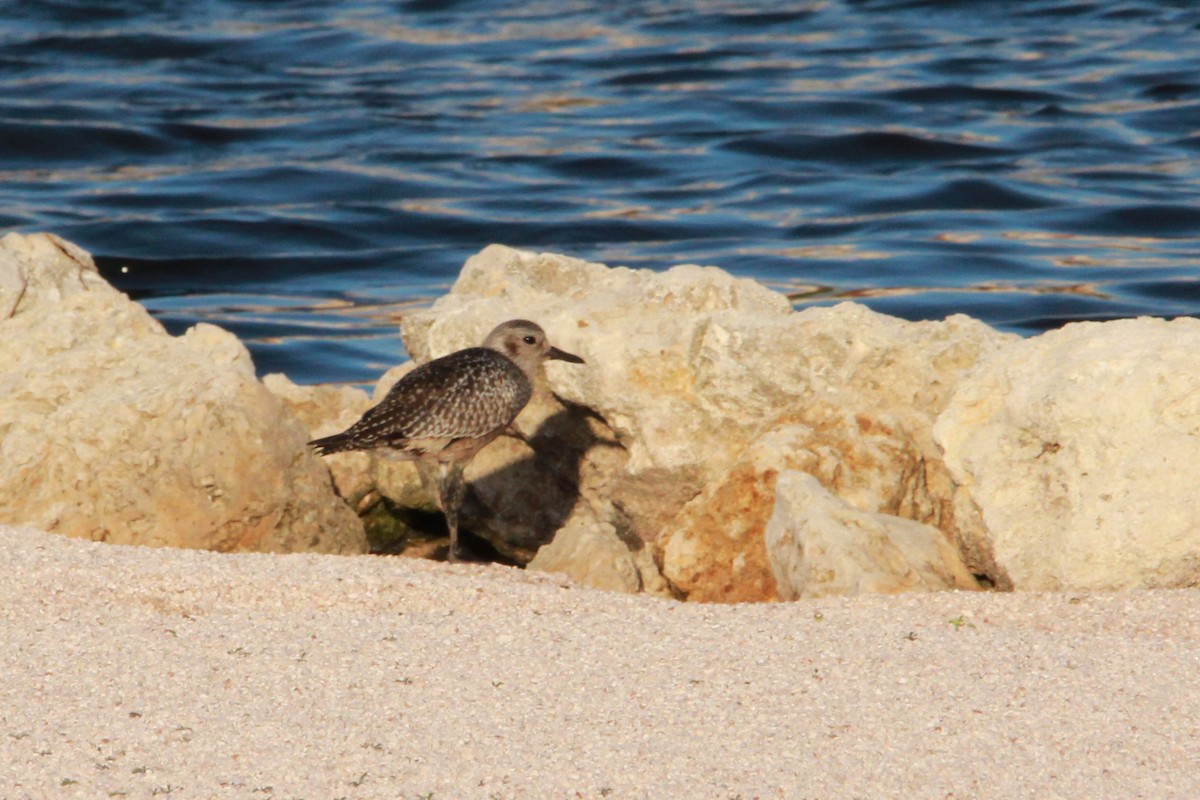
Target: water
(303, 172)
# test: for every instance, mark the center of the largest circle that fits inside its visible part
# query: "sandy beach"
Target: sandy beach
(137, 672)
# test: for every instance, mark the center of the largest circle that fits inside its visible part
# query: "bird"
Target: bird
(448, 409)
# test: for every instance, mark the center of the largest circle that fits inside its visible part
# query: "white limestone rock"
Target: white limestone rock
(591, 555)
(715, 551)
(112, 430)
(324, 411)
(1074, 447)
(689, 367)
(819, 545)
(636, 329)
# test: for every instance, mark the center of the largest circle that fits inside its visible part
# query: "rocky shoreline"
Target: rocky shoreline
(719, 446)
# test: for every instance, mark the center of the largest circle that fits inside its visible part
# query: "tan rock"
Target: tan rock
(1073, 450)
(715, 551)
(325, 410)
(44, 269)
(634, 327)
(112, 430)
(591, 555)
(865, 386)
(690, 367)
(320, 408)
(819, 545)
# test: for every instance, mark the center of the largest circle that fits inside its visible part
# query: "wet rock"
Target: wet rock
(819, 545)
(113, 430)
(1072, 450)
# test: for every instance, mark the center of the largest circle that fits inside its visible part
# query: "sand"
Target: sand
(135, 672)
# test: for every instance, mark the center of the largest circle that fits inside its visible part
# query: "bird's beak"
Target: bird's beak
(562, 356)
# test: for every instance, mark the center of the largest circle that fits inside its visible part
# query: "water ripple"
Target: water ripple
(303, 173)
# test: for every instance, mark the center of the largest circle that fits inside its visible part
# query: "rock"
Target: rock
(325, 410)
(819, 545)
(689, 368)
(715, 551)
(320, 408)
(1072, 448)
(44, 269)
(867, 389)
(591, 555)
(580, 454)
(635, 328)
(113, 430)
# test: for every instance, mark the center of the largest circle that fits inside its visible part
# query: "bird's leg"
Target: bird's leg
(515, 432)
(450, 494)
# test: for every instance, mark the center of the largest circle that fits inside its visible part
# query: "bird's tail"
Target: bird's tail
(337, 443)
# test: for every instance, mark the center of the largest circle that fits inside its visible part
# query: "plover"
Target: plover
(447, 410)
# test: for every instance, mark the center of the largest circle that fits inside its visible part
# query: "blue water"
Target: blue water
(303, 172)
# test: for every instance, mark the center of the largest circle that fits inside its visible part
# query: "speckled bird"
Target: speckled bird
(449, 409)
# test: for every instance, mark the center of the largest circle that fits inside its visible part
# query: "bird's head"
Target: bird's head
(526, 344)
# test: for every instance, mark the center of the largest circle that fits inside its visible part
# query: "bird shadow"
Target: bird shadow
(519, 506)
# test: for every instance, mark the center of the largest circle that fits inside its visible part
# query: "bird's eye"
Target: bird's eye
(529, 340)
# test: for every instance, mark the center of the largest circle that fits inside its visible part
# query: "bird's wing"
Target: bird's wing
(463, 395)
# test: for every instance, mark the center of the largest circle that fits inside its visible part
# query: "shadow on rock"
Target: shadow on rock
(525, 490)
